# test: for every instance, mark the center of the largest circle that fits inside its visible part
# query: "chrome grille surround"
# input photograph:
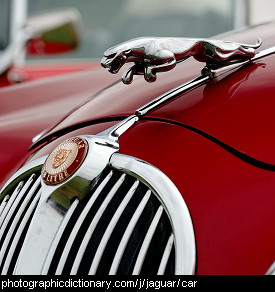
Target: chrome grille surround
(19, 199)
(127, 218)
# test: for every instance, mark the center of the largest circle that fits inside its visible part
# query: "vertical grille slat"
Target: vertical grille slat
(110, 228)
(4, 204)
(11, 208)
(111, 257)
(96, 218)
(17, 217)
(10, 202)
(166, 254)
(147, 241)
(78, 224)
(128, 232)
(19, 233)
(58, 237)
(126, 223)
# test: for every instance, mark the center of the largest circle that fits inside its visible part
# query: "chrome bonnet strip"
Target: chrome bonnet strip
(207, 74)
(48, 224)
(263, 53)
(171, 94)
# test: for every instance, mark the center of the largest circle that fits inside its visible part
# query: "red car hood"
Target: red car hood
(235, 111)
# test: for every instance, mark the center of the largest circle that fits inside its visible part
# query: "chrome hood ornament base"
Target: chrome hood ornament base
(151, 55)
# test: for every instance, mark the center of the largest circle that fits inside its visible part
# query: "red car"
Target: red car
(170, 176)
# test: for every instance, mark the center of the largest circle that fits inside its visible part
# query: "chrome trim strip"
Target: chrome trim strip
(153, 178)
(38, 136)
(146, 242)
(58, 236)
(110, 228)
(128, 232)
(103, 152)
(100, 149)
(207, 74)
(171, 94)
(117, 130)
(213, 73)
(172, 201)
(264, 53)
(23, 169)
(166, 255)
(42, 229)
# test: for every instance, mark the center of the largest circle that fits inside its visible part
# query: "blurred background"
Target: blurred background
(105, 23)
(108, 22)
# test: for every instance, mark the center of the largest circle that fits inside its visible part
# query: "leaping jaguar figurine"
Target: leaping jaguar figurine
(151, 55)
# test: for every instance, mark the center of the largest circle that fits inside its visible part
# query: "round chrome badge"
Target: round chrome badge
(64, 160)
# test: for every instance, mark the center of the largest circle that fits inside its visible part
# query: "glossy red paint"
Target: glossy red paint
(236, 109)
(231, 201)
(47, 95)
(47, 148)
(35, 71)
(29, 72)
(123, 100)
(27, 109)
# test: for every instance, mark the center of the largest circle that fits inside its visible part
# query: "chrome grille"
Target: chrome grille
(123, 225)
(120, 227)
(17, 208)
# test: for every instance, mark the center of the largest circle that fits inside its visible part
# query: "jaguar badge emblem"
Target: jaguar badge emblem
(64, 160)
(60, 157)
(151, 55)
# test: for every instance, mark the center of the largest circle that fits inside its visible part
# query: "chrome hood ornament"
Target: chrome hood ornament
(151, 55)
